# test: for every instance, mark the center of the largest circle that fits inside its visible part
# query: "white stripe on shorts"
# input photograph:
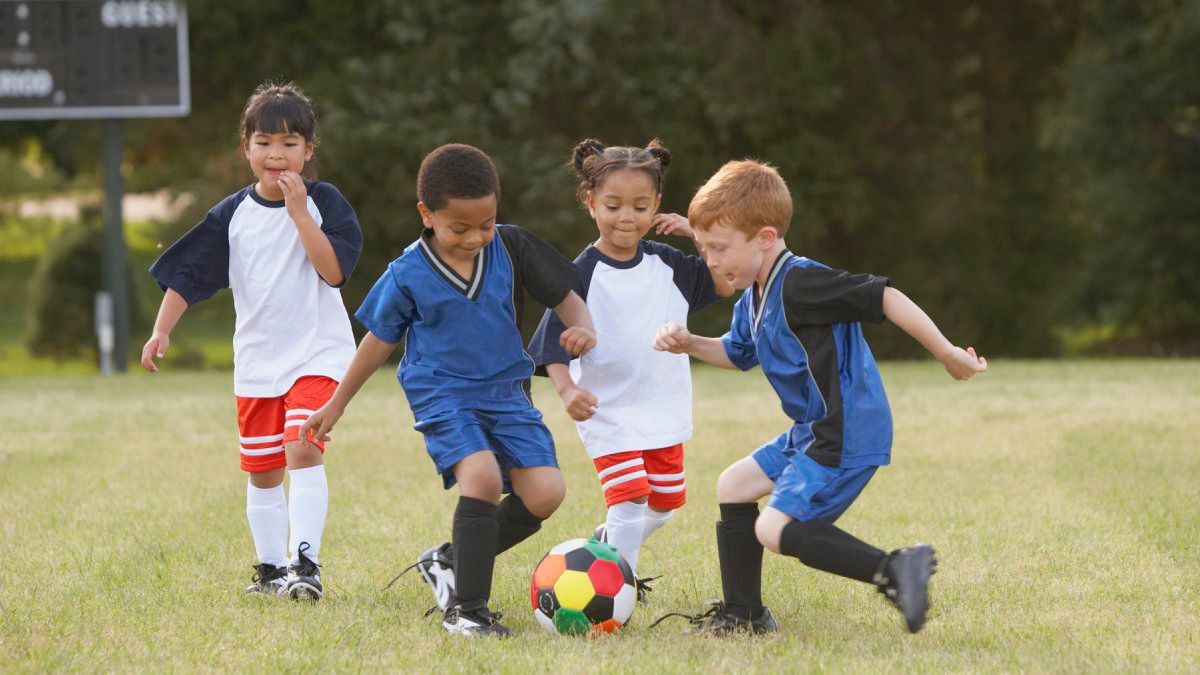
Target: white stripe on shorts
(294, 423)
(298, 411)
(669, 488)
(622, 479)
(621, 467)
(264, 451)
(250, 440)
(664, 477)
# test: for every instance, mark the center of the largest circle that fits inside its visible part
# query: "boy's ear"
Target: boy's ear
(426, 214)
(767, 237)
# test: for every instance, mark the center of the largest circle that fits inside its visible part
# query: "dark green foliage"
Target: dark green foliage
(63, 294)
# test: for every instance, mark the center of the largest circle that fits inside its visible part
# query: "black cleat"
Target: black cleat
(718, 620)
(904, 580)
(480, 621)
(600, 534)
(304, 577)
(268, 580)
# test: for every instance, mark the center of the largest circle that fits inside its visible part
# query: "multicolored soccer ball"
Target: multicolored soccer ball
(582, 587)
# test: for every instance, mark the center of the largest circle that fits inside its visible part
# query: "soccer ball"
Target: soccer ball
(581, 587)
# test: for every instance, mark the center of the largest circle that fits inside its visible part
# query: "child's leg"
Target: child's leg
(260, 431)
(668, 489)
(308, 491)
(626, 490)
(537, 492)
(798, 521)
(740, 554)
(476, 530)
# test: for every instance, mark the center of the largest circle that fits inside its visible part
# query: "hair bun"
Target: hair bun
(656, 150)
(584, 149)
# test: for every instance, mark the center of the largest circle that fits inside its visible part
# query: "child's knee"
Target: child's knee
(546, 495)
(769, 528)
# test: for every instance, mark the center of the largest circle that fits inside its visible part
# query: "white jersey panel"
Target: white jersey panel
(290, 323)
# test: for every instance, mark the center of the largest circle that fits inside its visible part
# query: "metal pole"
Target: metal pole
(115, 268)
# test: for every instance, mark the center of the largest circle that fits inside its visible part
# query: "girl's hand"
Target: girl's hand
(295, 194)
(155, 346)
(673, 337)
(579, 402)
(319, 424)
(963, 364)
(672, 223)
(577, 340)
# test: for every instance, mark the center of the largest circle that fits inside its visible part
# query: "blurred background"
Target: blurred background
(1027, 170)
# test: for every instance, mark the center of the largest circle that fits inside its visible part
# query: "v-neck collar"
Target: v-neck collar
(472, 287)
(760, 294)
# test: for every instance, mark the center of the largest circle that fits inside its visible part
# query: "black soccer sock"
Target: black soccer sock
(823, 546)
(475, 531)
(516, 523)
(741, 558)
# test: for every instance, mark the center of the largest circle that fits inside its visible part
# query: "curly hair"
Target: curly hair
(593, 162)
(456, 171)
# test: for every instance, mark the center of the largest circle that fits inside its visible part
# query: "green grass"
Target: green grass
(1062, 497)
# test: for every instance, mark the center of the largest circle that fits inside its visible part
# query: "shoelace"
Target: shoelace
(267, 572)
(715, 607)
(643, 584)
(304, 565)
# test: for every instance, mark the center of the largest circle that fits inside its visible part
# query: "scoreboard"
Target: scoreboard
(75, 59)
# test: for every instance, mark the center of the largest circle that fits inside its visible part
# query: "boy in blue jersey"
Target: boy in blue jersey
(801, 321)
(454, 296)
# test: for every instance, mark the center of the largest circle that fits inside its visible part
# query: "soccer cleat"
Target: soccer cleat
(304, 577)
(268, 579)
(437, 569)
(601, 533)
(643, 588)
(480, 621)
(904, 580)
(718, 620)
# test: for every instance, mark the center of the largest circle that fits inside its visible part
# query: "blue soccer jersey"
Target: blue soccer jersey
(463, 347)
(804, 329)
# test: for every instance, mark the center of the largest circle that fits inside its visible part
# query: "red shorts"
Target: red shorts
(657, 473)
(266, 424)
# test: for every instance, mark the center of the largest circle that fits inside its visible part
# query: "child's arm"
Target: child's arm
(673, 223)
(677, 339)
(579, 402)
(316, 244)
(173, 306)
(900, 310)
(371, 354)
(580, 335)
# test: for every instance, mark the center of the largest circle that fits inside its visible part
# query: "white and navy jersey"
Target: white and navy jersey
(645, 396)
(290, 322)
(463, 347)
(805, 329)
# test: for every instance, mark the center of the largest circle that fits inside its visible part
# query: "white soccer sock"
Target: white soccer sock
(267, 511)
(653, 521)
(308, 501)
(623, 528)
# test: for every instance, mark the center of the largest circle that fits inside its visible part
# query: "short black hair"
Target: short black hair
(456, 171)
(279, 108)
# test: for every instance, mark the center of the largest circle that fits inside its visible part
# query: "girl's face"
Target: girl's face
(623, 204)
(272, 154)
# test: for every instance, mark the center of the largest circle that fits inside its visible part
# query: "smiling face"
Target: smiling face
(623, 204)
(461, 228)
(272, 154)
(738, 258)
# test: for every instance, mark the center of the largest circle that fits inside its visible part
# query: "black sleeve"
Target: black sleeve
(818, 295)
(197, 266)
(544, 347)
(691, 275)
(547, 274)
(340, 225)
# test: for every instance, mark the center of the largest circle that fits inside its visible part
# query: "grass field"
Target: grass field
(1062, 496)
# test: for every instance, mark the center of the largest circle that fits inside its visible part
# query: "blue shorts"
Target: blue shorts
(518, 439)
(805, 489)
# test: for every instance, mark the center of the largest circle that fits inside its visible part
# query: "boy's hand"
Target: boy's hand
(295, 195)
(577, 340)
(672, 223)
(579, 402)
(674, 338)
(962, 364)
(155, 346)
(319, 424)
